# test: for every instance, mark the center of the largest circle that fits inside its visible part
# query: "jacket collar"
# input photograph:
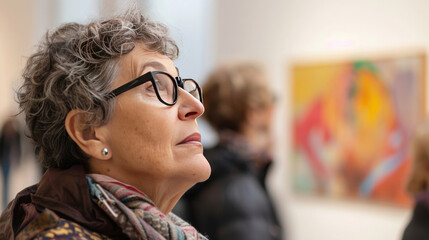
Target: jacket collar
(17, 214)
(66, 192)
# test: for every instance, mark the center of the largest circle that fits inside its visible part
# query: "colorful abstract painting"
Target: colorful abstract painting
(353, 125)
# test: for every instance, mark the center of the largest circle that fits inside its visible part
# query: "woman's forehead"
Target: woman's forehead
(134, 64)
(141, 60)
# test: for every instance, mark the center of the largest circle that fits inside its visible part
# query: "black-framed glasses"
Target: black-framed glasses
(162, 85)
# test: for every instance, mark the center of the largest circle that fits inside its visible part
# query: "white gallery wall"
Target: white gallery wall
(18, 33)
(276, 33)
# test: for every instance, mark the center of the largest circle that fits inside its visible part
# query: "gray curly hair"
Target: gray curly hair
(73, 68)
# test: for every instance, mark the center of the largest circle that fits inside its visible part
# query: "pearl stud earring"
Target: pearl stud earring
(105, 152)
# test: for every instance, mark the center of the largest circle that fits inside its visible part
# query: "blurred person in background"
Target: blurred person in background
(115, 126)
(418, 186)
(234, 203)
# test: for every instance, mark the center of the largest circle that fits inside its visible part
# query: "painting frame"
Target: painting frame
(353, 122)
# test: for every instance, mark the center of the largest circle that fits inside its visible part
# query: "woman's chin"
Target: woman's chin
(206, 174)
(201, 170)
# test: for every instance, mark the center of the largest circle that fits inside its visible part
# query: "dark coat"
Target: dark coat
(418, 227)
(233, 204)
(60, 200)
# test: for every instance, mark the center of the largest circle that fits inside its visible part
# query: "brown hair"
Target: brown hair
(231, 91)
(73, 68)
(419, 176)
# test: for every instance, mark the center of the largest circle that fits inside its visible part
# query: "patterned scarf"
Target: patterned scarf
(135, 213)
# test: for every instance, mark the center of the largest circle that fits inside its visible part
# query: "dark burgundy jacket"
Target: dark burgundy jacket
(66, 193)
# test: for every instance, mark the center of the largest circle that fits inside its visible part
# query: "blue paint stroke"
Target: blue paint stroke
(385, 168)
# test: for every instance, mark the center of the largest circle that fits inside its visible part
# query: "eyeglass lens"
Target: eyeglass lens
(191, 87)
(165, 87)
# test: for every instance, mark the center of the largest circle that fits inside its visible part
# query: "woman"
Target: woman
(234, 202)
(418, 185)
(116, 127)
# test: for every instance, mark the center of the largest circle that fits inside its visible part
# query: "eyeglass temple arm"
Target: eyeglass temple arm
(140, 80)
(178, 78)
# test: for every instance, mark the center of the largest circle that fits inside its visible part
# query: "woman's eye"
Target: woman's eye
(150, 88)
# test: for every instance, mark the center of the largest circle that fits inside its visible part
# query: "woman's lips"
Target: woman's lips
(193, 138)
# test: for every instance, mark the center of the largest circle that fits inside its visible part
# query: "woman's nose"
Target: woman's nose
(189, 106)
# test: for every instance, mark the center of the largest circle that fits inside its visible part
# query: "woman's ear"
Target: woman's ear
(89, 138)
